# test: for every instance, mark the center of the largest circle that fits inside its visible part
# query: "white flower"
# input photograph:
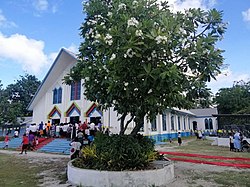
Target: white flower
(133, 22)
(97, 53)
(182, 31)
(153, 54)
(149, 91)
(125, 56)
(121, 6)
(130, 53)
(138, 33)
(126, 84)
(161, 39)
(97, 36)
(108, 39)
(87, 78)
(136, 89)
(113, 56)
(109, 14)
(135, 3)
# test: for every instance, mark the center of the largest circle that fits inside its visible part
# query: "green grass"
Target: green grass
(205, 147)
(17, 172)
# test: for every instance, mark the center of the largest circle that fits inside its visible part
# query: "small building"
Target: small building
(204, 119)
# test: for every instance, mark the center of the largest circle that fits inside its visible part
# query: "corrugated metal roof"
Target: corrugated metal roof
(204, 111)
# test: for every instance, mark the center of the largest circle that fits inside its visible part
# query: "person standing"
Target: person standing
(231, 142)
(179, 139)
(237, 142)
(6, 141)
(25, 144)
(75, 148)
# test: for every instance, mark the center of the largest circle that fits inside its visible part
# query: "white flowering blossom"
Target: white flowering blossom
(130, 53)
(87, 78)
(135, 3)
(149, 91)
(133, 22)
(97, 36)
(161, 39)
(136, 89)
(108, 39)
(113, 56)
(126, 84)
(153, 54)
(109, 14)
(138, 33)
(182, 31)
(97, 53)
(121, 6)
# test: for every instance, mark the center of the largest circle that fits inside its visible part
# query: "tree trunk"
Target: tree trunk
(126, 126)
(122, 118)
(139, 123)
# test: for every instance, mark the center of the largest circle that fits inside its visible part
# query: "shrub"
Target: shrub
(117, 153)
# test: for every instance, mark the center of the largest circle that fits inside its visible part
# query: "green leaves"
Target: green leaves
(142, 58)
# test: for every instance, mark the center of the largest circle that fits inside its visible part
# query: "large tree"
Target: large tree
(16, 97)
(141, 58)
(234, 100)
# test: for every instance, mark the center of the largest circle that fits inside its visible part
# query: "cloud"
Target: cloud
(226, 80)
(4, 23)
(41, 5)
(180, 5)
(25, 51)
(246, 15)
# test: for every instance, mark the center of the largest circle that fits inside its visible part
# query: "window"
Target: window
(164, 122)
(189, 124)
(153, 125)
(179, 123)
(75, 91)
(172, 123)
(206, 124)
(184, 123)
(210, 123)
(57, 95)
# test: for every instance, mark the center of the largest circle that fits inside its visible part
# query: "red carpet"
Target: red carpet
(43, 141)
(213, 163)
(239, 165)
(206, 156)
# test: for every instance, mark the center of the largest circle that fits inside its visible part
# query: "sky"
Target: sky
(32, 32)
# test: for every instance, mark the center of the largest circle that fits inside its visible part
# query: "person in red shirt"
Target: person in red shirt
(25, 143)
(6, 141)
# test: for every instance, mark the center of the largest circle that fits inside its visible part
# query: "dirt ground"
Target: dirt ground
(53, 171)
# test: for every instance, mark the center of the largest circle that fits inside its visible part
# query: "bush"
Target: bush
(117, 153)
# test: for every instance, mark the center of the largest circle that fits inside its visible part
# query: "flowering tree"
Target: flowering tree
(141, 58)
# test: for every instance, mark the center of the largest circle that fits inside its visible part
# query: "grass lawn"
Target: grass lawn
(204, 147)
(17, 172)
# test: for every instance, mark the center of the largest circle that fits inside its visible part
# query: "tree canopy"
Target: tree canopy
(234, 100)
(141, 58)
(15, 98)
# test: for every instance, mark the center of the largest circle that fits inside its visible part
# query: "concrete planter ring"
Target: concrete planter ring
(161, 176)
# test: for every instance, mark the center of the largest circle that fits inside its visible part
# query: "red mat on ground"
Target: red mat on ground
(205, 156)
(212, 163)
(43, 142)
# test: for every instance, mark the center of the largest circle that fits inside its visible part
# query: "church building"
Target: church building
(61, 103)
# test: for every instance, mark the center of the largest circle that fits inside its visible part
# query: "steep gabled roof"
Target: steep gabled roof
(62, 61)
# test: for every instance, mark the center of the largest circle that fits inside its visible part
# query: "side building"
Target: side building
(61, 103)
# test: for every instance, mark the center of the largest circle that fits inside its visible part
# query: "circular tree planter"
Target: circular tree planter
(161, 176)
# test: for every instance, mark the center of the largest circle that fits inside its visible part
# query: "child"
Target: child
(6, 141)
(231, 142)
(25, 144)
(75, 148)
(179, 139)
